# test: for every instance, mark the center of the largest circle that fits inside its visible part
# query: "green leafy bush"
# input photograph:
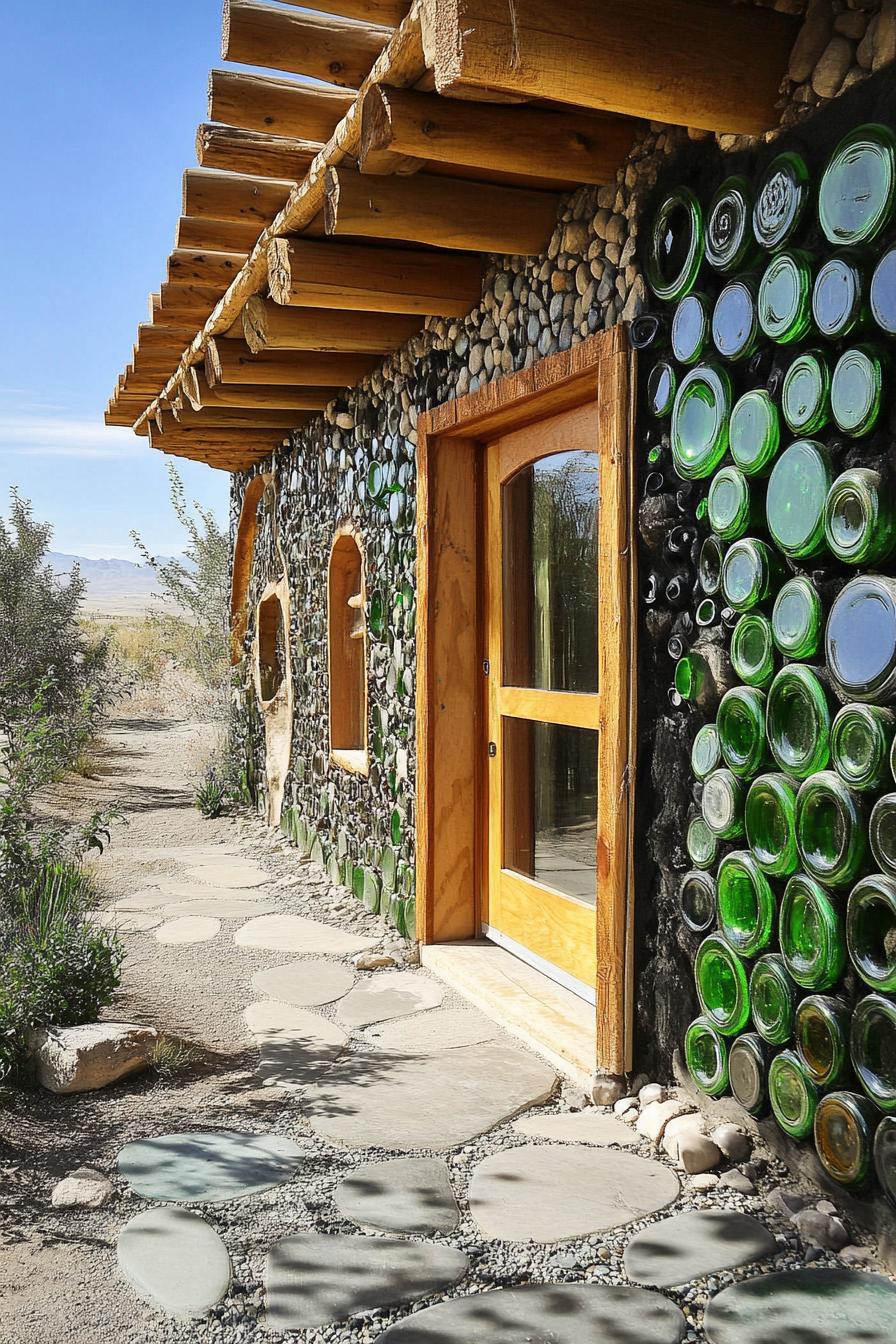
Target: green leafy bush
(56, 967)
(211, 793)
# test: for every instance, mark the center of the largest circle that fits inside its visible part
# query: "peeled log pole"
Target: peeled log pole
(229, 362)
(212, 195)
(216, 235)
(267, 326)
(234, 417)
(372, 279)
(276, 106)
(204, 268)
(237, 151)
(708, 65)
(398, 124)
(200, 395)
(336, 51)
(188, 303)
(440, 212)
(389, 12)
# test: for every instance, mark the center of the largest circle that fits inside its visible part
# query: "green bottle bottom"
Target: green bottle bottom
(706, 1055)
(793, 1094)
(844, 1133)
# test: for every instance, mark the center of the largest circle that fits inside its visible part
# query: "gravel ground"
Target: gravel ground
(58, 1274)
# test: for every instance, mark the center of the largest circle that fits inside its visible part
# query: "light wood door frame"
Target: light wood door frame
(451, 756)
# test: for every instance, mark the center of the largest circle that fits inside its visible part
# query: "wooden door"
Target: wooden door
(552, 680)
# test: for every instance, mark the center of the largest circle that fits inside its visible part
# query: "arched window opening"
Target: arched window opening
(347, 638)
(271, 647)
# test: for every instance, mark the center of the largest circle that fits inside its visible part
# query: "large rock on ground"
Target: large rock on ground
(85, 1188)
(82, 1059)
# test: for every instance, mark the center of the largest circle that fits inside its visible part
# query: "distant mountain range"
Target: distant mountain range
(114, 587)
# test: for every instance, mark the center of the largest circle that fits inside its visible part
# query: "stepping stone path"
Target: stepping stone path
(406, 1194)
(294, 1045)
(401, 1103)
(545, 1314)
(589, 1126)
(190, 929)
(546, 1193)
(295, 933)
(204, 1168)
(805, 1306)
(152, 898)
(229, 873)
(174, 890)
(692, 1245)
(314, 1280)
(438, 1029)
(121, 922)
(220, 907)
(306, 984)
(175, 1260)
(389, 994)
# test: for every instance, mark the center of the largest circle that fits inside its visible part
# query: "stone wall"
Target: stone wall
(356, 464)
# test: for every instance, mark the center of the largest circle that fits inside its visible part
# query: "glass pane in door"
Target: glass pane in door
(550, 805)
(549, 528)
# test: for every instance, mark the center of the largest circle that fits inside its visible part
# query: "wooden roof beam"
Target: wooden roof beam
(188, 303)
(216, 235)
(189, 267)
(307, 274)
(235, 417)
(689, 62)
(209, 194)
(337, 51)
(387, 12)
(264, 155)
(267, 326)
(197, 391)
(440, 212)
(401, 130)
(276, 106)
(232, 362)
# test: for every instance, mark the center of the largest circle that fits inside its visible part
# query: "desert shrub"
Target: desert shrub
(55, 966)
(198, 585)
(171, 1056)
(212, 792)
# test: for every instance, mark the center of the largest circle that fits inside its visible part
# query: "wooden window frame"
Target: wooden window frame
(354, 759)
(451, 792)
(243, 556)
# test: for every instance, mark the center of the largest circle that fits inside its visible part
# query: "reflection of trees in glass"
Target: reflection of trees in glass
(564, 571)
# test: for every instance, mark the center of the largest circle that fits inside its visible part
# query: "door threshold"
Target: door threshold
(553, 1021)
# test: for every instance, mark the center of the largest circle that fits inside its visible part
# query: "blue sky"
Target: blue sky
(100, 100)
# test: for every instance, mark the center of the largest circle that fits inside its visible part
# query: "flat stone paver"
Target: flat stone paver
(175, 1260)
(405, 1194)
(152, 898)
(313, 1280)
(228, 873)
(389, 994)
(545, 1314)
(404, 1102)
(189, 929)
(541, 1193)
(122, 922)
(805, 1306)
(304, 983)
(220, 907)
(207, 1168)
(294, 1044)
(437, 1029)
(589, 1126)
(692, 1245)
(176, 890)
(295, 933)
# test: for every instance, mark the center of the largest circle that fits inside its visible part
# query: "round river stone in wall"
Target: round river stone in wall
(405, 1102)
(407, 1194)
(207, 1168)
(295, 1045)
(314, 1280)
(545, 1314)
(812, 1306)
(692, 1245)
(229, 873)
(175, 1260)
(189, 929)
(304, 983)
(552, 1193)
(588, 1126)
(389, 994)
(294, 933)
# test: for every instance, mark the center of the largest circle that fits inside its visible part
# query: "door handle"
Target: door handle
(492, 749)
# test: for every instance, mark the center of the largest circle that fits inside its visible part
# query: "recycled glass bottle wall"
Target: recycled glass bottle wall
(768, 517)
